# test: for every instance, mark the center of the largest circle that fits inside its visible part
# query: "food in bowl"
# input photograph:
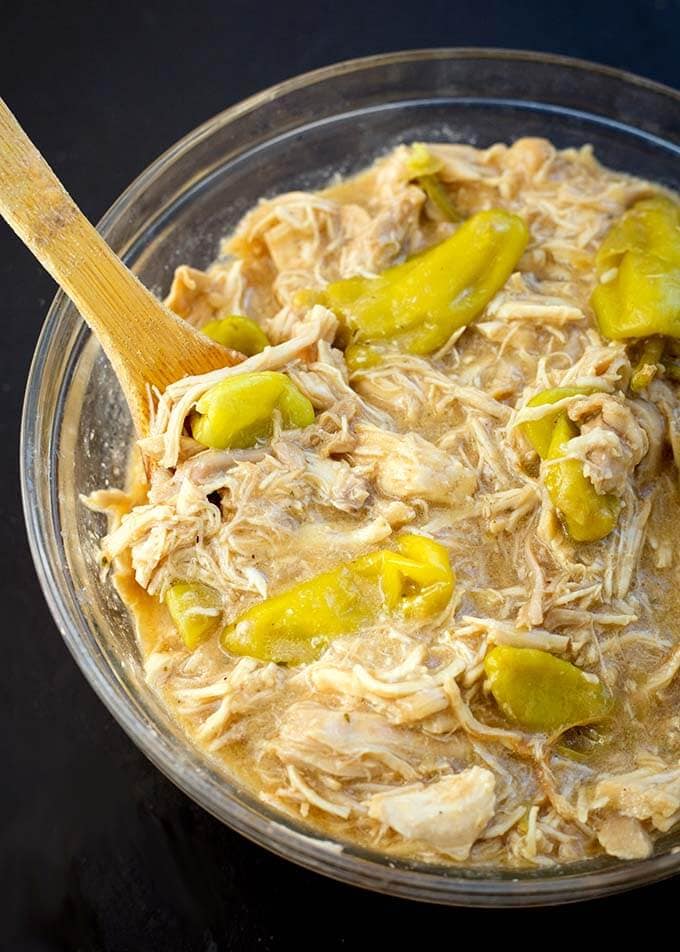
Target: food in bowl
(407, 570)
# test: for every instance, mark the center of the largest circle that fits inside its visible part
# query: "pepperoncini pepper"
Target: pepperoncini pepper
(587, 515)
(638, 266)
(238, 411)
(195, 609)
(416, 306)
(415, 581)
(424, 168)
(539, 432)
(543, 693)
(238, 333)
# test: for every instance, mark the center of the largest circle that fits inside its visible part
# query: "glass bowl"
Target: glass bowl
(76, 429)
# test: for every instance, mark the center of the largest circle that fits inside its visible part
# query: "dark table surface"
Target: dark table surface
(98, 851)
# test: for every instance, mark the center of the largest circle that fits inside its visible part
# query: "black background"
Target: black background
(97, 849)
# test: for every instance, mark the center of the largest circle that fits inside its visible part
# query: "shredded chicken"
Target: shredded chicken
(352, 745)
(448, 815)
(625, 837)
(611, 442)
(644, 794)
(665, 400)
(408, 467)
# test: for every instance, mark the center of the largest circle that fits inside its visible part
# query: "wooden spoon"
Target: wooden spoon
(147, 344)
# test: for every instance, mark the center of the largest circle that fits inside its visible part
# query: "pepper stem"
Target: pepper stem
(648, 364)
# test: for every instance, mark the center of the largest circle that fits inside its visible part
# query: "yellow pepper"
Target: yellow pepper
(539, 432)
(195, 609)
(238, 411)
(543, 693)
(587, 515)
(424, 168)
(416, 306)
(415, 581)
(638, 265)
(238, 333)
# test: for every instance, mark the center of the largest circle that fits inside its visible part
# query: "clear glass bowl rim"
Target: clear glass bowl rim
(370, 870)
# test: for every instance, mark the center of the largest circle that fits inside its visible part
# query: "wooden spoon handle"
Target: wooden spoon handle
(145, 342)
